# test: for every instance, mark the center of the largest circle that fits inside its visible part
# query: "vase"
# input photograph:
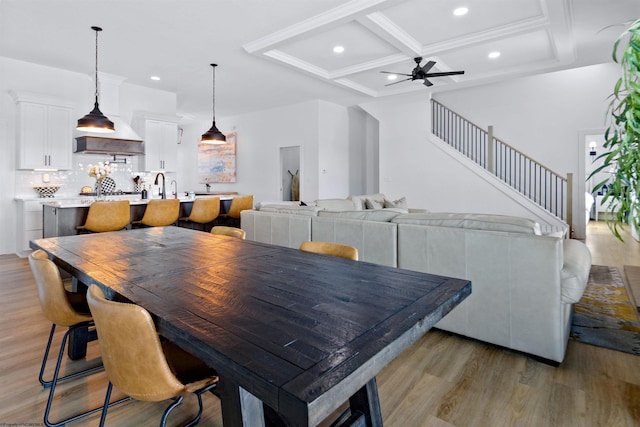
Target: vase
(99, 194)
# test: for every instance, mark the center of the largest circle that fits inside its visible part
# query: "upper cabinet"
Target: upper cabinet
(160, 134)
(44, 131)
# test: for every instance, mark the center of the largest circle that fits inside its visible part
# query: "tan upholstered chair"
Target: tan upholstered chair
(62, 308)
(160, 213)
(110, 215)
(203, 211)
(333, 249)
(238, 204)
(138, 363)
(229, 231)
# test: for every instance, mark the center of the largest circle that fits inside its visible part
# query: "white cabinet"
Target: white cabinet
(160, 137)
(45, 138)
(29, 226)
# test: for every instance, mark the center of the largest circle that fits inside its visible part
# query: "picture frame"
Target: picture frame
(217, 162)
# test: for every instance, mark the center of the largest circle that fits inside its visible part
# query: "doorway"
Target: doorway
(290, 173)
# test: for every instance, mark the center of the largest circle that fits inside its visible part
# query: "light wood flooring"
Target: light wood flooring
(443, 380)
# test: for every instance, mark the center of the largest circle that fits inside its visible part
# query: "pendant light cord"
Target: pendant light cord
(214, 91)
(97, 30)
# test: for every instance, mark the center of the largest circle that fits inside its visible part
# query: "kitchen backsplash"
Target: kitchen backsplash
(72, 181)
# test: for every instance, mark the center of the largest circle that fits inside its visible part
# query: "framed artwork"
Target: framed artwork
(217, 162)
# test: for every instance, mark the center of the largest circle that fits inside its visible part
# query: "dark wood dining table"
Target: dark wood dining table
(292, 333)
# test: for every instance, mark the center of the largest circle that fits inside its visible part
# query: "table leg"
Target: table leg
(239, 407)
(366, 401)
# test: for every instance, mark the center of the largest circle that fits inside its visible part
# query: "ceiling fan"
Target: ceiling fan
(422, 73)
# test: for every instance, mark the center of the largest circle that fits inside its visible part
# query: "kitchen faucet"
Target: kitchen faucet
(175, 192)
(163, 193)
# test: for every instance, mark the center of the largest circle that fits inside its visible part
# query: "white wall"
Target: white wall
(540, 115)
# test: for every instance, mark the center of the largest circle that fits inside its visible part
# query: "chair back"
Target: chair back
(131, 350)
(239, 204)
(223, 230)
(333, 249)
(161, 212)
(51, 293)
(205, 211)
(111, 215)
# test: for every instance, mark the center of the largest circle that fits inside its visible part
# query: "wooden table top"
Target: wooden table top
(288, 326)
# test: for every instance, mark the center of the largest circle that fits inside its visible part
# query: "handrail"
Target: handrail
(547, 188)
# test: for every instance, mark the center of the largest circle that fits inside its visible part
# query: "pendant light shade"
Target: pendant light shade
(95, 121)
(213, 135)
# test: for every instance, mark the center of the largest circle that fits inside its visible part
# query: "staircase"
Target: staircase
(519, 173)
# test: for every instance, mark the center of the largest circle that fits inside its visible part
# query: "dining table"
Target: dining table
(294, 336)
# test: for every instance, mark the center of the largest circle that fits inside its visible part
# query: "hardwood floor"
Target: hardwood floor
(443, 380)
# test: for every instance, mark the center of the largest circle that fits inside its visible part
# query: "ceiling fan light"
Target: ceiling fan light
(96, 122)
(213, 136)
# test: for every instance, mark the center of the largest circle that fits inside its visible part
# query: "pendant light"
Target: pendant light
(95, 121)
(213, 135)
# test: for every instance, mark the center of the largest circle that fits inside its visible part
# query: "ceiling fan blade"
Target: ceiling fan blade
(399, 81)
(448, 73)
(399, 74)
(427, 83)
(427, 66)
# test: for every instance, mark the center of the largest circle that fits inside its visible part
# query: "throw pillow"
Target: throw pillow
(373, 204)
(400, 203)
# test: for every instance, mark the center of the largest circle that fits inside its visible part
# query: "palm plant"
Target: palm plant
(622, 137)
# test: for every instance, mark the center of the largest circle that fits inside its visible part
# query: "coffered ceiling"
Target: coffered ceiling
(279, 52)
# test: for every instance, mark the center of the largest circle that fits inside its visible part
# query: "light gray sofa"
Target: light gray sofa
(524, 284)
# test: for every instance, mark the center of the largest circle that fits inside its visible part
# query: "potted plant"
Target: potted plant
(622, 137)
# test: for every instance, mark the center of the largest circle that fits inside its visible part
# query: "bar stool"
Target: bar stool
(333, 249)
(139, 364)
(203, 212)
(223, 230)
(238, 204)
(111, 215)
(65, 309)
(160, 213)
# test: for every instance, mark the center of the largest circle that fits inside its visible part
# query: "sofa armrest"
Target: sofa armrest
(575, 270)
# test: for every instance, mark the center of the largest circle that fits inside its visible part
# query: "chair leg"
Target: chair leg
(103, 417)
(55, 380)
(165, 415)
(46, 383)
(199, 393)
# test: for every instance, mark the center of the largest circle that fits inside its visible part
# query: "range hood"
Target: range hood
(124, 141)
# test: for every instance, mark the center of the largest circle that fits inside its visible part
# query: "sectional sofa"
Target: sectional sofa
(524, 284)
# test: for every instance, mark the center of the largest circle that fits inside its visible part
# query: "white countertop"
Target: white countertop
(84, 201)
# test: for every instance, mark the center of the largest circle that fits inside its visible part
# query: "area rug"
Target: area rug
(605, 316)
(632, 276)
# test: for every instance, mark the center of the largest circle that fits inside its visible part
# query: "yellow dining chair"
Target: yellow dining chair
(107, 215)
(62, 308)
(204, 211)
(141, 365)
(223, 230)
(333, 249)
(160, 213)
(238, 204)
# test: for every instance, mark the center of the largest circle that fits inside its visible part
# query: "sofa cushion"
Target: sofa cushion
(401, 203)
(337, 204)
(575, 270)
(360, 202)
(511, 224)
(373, 204)
(381, 215)
(294, 210)
(264, 203)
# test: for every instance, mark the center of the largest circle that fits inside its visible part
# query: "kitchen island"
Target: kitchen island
(62, 217)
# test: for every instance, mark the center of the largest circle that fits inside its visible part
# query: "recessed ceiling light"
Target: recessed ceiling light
(156, 78)
(338, 49)
(461, 11)
(494, 55)
(392, 77)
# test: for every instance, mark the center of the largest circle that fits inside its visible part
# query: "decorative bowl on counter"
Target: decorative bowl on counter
(47, 190)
